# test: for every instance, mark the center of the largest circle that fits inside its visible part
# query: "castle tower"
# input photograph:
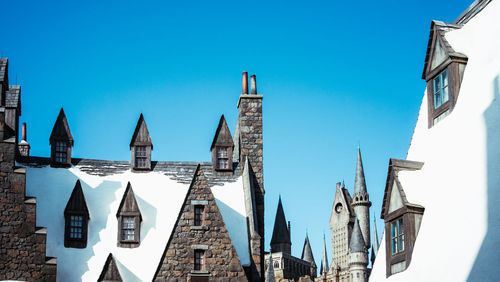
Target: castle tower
(341, 221)
(361, 202)
(280, 242)
(307, 255)
(358, 255)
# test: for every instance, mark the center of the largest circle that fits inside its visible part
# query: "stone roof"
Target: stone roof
(182, 172)
(359, 181)
(357, 243)
(281, 234)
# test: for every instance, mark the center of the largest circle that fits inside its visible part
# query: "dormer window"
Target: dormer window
(128, 229)
(440, 89)
(61, 142)
(129, 220)
(222, 147)
(141, 146)
(76, 217)
(397, 236)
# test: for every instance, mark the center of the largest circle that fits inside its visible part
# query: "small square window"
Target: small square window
(199, 260)
(397, 236)
(140, 156)
(199, 215)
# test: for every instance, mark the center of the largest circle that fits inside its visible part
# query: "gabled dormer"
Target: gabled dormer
(222, 147)
(61, 142)
(76, 215)
(141, 146)
(443, 72)
(129, 220)
(110, 272)
(402, 218)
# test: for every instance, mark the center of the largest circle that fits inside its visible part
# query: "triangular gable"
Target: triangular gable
(110, 271)
(60, 131)
(222, 135)
(343, 197)
(281, 234)
(141, 135)
(76, 202)
(128, 204)
(439, 49)
(210, 237)
(392, 184)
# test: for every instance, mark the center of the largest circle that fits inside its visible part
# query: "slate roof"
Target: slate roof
(182, 172)
(357, 243)
(4, 62)
(110, 271)
(61, 131)
(281, 234)
(12, 96)
(76, 202)
(359, 181)
(141, 134)
(307, 253)
(222, 134)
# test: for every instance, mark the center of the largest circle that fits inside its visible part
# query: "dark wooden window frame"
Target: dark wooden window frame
(141, 157)
(70, 242)
(137, 231)
(199, 260)
(60, 155)
(452, 66)
(223, 154)
(199, 215)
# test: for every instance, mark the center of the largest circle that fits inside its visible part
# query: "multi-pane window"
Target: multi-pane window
(140, 156)
(61, 151)
(199, 211)
(199, 260)
(128, 228)
(440, 89)
(76, 227)
(397, 236)
(222, 158)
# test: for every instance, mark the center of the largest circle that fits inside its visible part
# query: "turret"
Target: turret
(358, 255)
(307, 255)
(361, 202)
(280, 241)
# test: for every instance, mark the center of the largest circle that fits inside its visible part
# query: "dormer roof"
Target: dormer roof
(439, 51)
(110, 271)
(141, 135)
(281, 234)
(76, 202)
(60, 131)
(222, 135)
(128, 204)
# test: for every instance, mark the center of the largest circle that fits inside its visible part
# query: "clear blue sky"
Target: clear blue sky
(334, 74)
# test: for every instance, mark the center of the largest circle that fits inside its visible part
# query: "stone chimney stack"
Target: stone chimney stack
(253, 84)
(24, 146)
(245, 83)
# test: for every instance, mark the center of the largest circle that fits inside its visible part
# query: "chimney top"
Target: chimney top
(244, 83)
(253, 84)
(24, 132)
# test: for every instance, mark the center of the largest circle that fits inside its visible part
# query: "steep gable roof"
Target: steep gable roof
(281, 234)
(60, 131)
(438, 48)
(76, 202)
(141, 135)
(307, 253)
(359, 181)
(396, 165)
(222, 134)
(357, 243)
(110, 271)
(128, 204)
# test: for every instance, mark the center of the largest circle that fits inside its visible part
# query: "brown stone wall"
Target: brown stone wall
(22, 251)
(221, 260)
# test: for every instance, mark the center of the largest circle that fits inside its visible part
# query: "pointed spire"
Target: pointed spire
(110, 270)
(270, 270)
(141, 135)
(324, 260)
(359, 182)
(222, 134)
(76, 202)
(375, 243)
(307, 253)
(129, 204)
(281, 234)
(60, 131)
(357, 243)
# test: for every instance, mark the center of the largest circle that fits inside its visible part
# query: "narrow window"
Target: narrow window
(199, 212)
(76, 227)
(199, 260)
(440, 84)
(397, 236)
(128, 228)
(61, 151)
(222, 158)
(140, 156)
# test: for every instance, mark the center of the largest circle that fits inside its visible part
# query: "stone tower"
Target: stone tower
(361, 202)
(341, 221)
(358, 255)
(280, 242)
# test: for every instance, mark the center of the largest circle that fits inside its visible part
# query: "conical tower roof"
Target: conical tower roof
(307, 253)
(359, 182)
(324, 260)
(280, 232)
(357, 243)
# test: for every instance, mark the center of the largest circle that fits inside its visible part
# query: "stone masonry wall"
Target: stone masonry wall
(221, 260)
(22, 250)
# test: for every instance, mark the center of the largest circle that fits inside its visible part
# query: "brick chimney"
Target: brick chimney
(24, 146)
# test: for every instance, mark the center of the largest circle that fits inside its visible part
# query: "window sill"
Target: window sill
(199, 227)
(199, 273)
